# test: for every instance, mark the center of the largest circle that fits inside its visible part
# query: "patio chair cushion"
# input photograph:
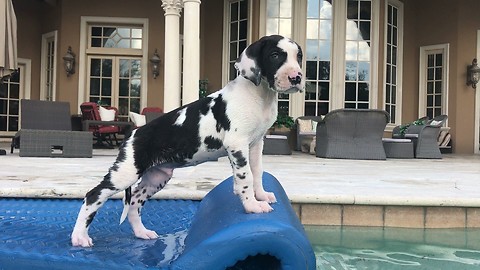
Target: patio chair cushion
(305, 125)
(138, 119)
(106, 114)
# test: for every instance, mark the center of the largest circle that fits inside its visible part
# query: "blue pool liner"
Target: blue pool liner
(213, 234)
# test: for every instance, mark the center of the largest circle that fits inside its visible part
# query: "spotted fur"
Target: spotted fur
(232, 121)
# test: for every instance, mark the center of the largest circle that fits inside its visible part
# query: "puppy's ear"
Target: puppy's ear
(248, 62)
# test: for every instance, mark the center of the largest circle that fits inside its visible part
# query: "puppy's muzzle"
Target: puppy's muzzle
(295, 80)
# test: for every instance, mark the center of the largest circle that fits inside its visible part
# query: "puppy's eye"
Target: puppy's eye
(274, 55)
(299, 57)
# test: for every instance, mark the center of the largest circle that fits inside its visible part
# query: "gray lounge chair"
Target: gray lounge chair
(352, 134)
(302, 136)
(425, 137)
(46, 131)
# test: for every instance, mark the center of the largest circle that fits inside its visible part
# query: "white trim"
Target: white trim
(374, 49)
(226, 36)
(262, 24)
(476, 143)
(43, 65)
(422, 90)
(82, 55)
(27, 79)
(299, 34)
(399, 92)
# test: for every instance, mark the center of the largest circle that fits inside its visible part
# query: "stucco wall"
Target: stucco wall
(431, 22)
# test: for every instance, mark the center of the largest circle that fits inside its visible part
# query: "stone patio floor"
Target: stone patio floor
(394, 192)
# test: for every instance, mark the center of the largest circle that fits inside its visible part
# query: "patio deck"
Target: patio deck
(393, 193)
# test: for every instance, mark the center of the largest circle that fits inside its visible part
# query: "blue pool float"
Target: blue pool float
(222, 234)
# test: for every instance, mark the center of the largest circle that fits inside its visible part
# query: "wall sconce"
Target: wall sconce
(69, 62)
(155, 60)
(473, 74)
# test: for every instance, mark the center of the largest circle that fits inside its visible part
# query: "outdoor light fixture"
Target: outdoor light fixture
(69, 62)
(155, 60)
(473, 74)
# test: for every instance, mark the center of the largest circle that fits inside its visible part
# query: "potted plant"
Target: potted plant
(283, 124)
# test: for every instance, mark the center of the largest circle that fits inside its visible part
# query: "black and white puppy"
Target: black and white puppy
(232, 121)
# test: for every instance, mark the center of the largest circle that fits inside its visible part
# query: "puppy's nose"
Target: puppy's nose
(296, 79)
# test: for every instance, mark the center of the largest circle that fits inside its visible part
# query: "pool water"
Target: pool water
(356, 248)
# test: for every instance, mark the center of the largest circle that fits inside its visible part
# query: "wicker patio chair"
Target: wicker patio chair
(352, 134)
(46, 131)
(425, 137)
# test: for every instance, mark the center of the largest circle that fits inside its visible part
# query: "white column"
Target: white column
(172, 90)
(191, 50)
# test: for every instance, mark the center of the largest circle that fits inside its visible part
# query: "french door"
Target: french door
(115, 81)
(12, 90)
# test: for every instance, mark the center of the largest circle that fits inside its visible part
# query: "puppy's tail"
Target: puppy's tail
(126, 203)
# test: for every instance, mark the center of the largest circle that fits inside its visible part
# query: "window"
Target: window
(318, 57)
(279, 22)
(357, 54)
(116, 37)
(10, 103)
(237, 34)
(279, 17)
(115, 72)
(340, 40)
(116, 81)
(12, 90)
(433, 80)
(48, 66)
(113, 62)
(393, 60)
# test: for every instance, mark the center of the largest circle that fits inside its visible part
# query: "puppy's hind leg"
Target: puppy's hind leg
(120, 176)
(152, 181)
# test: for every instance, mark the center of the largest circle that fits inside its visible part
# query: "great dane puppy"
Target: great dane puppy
(232, 121)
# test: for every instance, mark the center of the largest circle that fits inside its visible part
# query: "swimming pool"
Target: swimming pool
(356, 248)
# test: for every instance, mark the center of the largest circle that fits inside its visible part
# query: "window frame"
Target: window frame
(44, 80)
(422, 87)
(338, 57)
(399, 92)
(25, 80)
(84, 51)
(226, 36)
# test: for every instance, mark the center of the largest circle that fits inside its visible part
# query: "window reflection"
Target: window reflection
(318, 56)
(357, 53)
(238, 33)
(279, 17)
(116, 37)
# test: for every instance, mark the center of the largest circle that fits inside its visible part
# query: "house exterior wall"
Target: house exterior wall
(211, 43)
(36, 18)
(426, 22)
(430, 22)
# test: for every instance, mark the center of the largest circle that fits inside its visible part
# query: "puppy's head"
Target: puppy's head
(277, 60)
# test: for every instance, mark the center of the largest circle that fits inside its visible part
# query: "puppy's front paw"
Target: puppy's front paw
(254, 206)
(268, 197)
(81, 240)
(146, 234)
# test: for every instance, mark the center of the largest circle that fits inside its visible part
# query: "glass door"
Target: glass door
(10, 94)
(116, 81)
